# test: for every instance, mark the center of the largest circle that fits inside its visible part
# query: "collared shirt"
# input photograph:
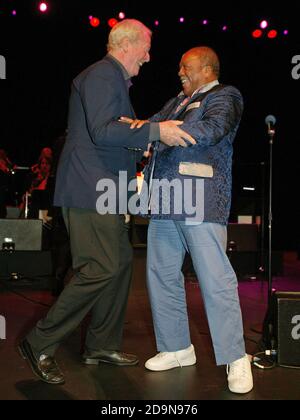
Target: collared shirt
(124, 71)
(154, 133)
(202, 89)
(206, 88)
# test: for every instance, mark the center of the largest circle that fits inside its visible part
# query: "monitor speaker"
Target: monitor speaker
(27, 264)
(282, 327)
(21, 234)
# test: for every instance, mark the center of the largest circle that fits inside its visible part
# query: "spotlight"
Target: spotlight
(156, 22)
(204, 22)
(112, 22)
(264, 24)
(285, 32)
(257, 33)
(43, 7)
(181, 19)
(272, 34)
(121, 15)
(94, 21)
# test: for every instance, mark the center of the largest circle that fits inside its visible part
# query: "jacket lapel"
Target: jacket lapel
(199, 97)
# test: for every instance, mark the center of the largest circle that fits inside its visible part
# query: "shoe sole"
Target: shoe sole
(24, 357)
(240, 392)
(184, 364)
(98, 361)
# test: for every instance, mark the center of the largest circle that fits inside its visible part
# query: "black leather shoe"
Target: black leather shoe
(118, 358)
(45, 368)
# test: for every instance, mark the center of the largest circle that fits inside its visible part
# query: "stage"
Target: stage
(204, 381)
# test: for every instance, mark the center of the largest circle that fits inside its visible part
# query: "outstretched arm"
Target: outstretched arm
(170, 132)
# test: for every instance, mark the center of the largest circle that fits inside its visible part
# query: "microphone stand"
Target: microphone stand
(271, 133)
(263, 218)
(265, 328)
(268, 333)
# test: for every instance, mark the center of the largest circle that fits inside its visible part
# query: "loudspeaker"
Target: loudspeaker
(282, 327)
(26, 263)
(288, 329)
(244, 263)
(25, 234)
(245, 236)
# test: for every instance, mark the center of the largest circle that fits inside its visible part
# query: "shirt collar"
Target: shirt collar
(204, 88)
(124, 71)
(207, 87)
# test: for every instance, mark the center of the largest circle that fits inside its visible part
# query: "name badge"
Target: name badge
(193, 105)
(196, 169)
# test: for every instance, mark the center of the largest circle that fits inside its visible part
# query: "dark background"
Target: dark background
(44, 52)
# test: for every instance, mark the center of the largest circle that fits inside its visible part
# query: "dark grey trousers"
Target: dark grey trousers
(102, 258)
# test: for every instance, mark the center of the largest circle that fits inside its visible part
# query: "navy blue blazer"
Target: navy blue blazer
(96, 144)
(212, 118)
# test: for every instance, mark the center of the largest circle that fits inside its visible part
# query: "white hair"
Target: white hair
(129, 28)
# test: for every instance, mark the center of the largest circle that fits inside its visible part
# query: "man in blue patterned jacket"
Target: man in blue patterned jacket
(211, 114)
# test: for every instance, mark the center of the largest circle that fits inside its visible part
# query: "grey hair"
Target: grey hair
(129, 28)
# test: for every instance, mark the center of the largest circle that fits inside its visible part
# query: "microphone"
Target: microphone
(270, 120)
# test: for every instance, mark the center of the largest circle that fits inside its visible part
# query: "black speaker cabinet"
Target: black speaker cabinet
(25, 234)
(282, 327)
(26, 263)
(288, 328)
(244, 237)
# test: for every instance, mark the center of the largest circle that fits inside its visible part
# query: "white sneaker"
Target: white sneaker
(239, 377)
(168, 360)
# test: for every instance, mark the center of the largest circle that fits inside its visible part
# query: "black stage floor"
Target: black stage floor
(204, 381)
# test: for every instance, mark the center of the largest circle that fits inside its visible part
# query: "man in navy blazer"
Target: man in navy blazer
(98, 148)
(191, 216)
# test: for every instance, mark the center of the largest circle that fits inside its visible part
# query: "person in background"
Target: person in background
(98, 147)
(42, 173)
(6, 168)
(47, 154)
(38, 190)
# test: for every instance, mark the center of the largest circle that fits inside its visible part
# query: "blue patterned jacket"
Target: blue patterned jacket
(212, 118)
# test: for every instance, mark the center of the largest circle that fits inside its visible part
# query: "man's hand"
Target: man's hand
(133, 123)
(172, 135)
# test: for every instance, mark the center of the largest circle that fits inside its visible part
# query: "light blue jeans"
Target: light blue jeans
(168, 241)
